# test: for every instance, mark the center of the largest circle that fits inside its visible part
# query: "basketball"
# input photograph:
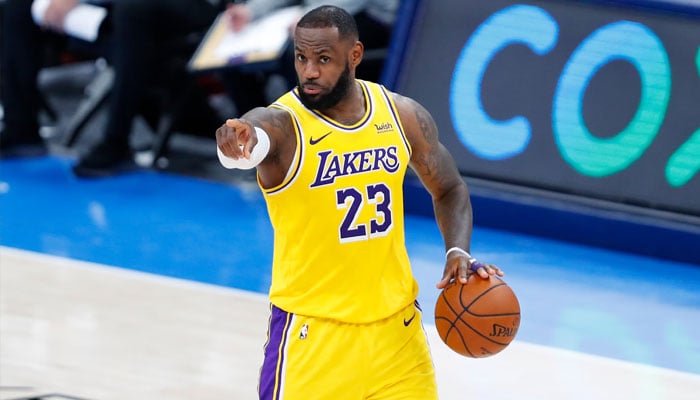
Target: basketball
(477, 319)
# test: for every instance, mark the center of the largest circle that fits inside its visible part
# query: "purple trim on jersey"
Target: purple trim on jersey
(329, 121)
(394, 112)
(273, 365)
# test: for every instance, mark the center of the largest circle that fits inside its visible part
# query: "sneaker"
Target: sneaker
(105, 160)
(10, 148)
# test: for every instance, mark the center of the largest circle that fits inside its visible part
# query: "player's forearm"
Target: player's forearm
(453, 213)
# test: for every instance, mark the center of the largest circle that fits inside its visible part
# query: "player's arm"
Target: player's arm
(437, 171)
(262, 138)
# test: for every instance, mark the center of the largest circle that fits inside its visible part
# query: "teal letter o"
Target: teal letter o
(624, 40)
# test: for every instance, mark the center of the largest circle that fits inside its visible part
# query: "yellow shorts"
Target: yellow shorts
(310, 358)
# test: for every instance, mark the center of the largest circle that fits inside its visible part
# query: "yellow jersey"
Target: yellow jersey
(338, 216)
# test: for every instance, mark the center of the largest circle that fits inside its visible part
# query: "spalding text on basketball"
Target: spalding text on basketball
(502, 331)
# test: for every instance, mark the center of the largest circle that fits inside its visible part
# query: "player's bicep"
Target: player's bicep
(423, 136)
(430, 160)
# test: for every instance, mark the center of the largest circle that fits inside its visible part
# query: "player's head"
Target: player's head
(326, 54)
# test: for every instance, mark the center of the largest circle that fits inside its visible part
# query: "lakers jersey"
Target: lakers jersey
(338, 215)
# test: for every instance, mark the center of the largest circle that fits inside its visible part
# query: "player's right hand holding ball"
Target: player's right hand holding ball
(460, 264)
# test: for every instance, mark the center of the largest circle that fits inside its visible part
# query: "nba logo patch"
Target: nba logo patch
(304, 331)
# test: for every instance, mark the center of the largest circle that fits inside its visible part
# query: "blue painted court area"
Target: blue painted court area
(596, 301)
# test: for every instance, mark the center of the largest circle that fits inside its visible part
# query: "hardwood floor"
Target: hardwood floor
(89, 331)
(94, 332)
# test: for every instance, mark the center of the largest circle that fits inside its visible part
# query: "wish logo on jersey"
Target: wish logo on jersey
(384, 127)
(332, 165)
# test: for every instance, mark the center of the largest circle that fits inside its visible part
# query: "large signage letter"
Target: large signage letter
(484, 136)
(629, 41)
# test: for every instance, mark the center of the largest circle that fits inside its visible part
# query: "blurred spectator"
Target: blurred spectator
(143, 38)
(146, 34)
(375, 20)
(25, 46)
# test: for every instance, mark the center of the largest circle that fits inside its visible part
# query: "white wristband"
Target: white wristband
(458, 250)
(258, 153)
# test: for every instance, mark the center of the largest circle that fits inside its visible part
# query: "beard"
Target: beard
(325, 101)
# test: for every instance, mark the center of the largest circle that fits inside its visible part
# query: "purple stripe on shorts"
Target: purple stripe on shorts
(271, 371)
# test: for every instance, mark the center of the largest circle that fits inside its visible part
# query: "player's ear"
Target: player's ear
(356, 53)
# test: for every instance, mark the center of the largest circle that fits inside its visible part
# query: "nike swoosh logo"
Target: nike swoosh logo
(407, 322)
(313, 141)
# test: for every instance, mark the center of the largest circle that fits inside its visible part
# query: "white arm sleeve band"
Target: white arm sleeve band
(256, 156)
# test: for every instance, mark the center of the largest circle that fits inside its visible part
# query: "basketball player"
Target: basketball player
(330, 158)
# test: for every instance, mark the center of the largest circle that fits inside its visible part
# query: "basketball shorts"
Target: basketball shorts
(313, 358)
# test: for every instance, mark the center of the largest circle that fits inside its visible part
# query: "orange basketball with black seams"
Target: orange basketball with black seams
(477, 319)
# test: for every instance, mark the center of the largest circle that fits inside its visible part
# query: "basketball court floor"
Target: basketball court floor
(152, 285)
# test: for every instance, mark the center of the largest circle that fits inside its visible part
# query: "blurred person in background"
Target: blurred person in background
(24, 51)
(141, 39)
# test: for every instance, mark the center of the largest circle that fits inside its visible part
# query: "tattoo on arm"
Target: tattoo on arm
(280, 121)
(428, 160)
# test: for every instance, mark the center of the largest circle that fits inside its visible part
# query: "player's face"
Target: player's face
(323, 69)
